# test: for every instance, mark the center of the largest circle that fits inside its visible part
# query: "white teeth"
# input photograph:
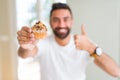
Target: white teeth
(62, 30)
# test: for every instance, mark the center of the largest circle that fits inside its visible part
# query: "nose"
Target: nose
(62, 23)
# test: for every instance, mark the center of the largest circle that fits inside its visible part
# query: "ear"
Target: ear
(72, 22)
(50, 22)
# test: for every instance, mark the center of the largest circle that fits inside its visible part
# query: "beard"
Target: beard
(61, 35)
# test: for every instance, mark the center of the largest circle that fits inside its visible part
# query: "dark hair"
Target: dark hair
(56, 6)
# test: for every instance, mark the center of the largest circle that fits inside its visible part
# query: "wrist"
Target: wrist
(97, 52)
(27, 46)
(25, 52)
(92, 49)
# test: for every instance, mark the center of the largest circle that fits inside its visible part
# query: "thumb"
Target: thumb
(83, 31)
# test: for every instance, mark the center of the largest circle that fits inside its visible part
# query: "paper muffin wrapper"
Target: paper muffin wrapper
(40, 35)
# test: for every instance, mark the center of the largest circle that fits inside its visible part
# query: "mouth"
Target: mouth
(62, 31)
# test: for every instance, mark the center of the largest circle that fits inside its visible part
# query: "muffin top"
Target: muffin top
(39, 27)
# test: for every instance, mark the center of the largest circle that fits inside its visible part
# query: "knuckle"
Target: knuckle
(18, 32)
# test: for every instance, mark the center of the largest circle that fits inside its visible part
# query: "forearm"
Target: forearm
(24, 53)
(108, 65)
(105, 62)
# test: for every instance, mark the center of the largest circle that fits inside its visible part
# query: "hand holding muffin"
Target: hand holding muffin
(27, 37)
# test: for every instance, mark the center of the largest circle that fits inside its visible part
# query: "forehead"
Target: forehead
(61, 13)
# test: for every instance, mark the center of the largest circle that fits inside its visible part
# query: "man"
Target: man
(64, 56)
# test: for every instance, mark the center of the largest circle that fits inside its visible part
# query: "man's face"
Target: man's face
(61, 23)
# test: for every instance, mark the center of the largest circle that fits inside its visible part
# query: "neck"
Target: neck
(62, 42)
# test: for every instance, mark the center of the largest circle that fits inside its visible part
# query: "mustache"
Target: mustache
(61, 35)
(58, 28)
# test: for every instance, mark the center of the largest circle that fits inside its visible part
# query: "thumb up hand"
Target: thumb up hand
(82, 41)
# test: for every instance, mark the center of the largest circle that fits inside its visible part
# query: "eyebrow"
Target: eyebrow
(63, 17)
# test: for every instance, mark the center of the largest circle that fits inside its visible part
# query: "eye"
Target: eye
(55, 20)
(66, 19)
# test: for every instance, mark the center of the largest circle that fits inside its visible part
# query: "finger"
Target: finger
(76, 37)
(22, 33)
(18, 33)
(23, 38)
(83, 31)
(23, 42)
(29, 32)
(76, 41)
(27, 29)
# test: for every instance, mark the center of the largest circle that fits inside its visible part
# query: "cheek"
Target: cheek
(53, 25)
(69, 24)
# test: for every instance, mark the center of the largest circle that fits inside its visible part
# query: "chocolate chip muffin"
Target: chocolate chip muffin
(39, 30)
